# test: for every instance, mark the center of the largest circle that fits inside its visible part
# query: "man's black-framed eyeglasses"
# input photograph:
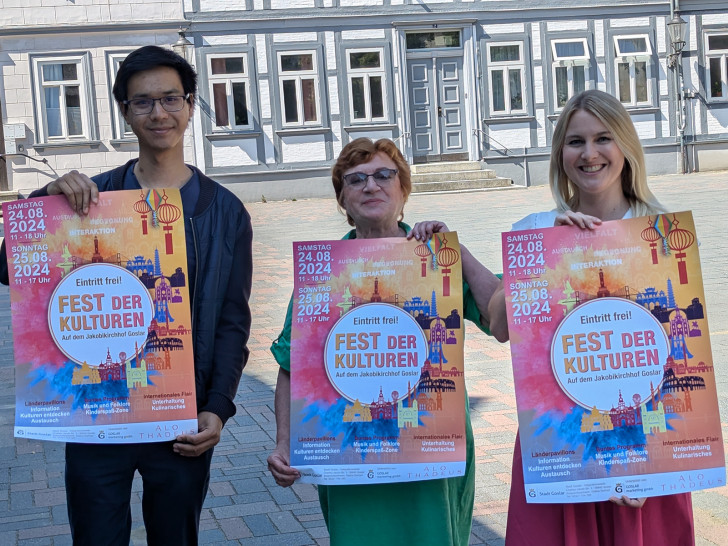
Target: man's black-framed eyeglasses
(381, 177)
(171, 103)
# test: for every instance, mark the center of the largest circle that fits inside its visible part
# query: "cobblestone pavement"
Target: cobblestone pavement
(244, 506)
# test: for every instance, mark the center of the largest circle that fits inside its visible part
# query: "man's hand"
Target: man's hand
(209, 427)
(79, 189)
(278, 465)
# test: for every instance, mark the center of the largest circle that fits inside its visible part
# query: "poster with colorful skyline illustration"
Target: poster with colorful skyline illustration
(101, 319)
(377, 386)
(612, 362)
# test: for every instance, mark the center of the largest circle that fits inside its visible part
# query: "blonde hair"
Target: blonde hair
(617, 120)
(362, 150)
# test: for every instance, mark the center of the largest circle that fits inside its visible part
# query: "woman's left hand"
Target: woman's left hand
(624, 500)
(280, 469)
(422, 231)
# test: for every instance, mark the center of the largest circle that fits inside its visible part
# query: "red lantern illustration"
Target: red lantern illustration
(446, 257)
(423, 251)
(167, 214)
(680, 239)
(651, 235)
(143, 208)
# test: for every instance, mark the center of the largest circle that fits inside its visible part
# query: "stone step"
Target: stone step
(452, 176)
(462, 185)
(445, 166)
(8, 196)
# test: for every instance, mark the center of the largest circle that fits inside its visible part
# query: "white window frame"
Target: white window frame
(721, 54)
(298, 76)
(570, 62)
(366, 74)
(505, 67)
(631, 59)
(81, 81)
(122, 130)
(229, 80)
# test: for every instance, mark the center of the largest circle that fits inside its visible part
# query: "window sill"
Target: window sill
(303, 131)
(232, 134)
(123, 141)
(510, 119)
(642, 109)
(67, 144)
(369, 126)
(630, 109)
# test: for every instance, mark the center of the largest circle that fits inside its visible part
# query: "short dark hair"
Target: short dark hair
(148, 58)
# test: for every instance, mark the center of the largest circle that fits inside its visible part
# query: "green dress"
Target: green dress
(437, 512)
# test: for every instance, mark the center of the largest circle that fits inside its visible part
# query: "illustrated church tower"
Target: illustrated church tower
(136, 376)
(687, 400)
(603, 291)
(96, 258)
(162, 297)
(438, 336)
(376, 296)
(670, 295)
(679, 329)
(157, 265)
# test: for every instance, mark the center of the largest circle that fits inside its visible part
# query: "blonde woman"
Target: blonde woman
(597, 173)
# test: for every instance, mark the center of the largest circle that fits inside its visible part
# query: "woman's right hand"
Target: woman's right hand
(571, 218)
(423, 231)
(279, 467)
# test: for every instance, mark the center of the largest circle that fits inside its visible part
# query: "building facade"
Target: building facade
(58, 60)
(285, 84)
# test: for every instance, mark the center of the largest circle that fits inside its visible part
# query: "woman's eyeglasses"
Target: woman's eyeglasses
(381, 177)
(171, 103)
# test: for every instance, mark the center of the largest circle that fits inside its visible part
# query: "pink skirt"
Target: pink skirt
(666, 520)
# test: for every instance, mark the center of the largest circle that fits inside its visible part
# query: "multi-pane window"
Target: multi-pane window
(505, 78)
(365, 71)
(570, 69)
(632, 69)
(717, 61)
(122, 129)
(298, 75)
(62, 99)
(229, 91)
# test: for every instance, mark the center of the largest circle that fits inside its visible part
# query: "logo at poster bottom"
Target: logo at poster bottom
(609, 346)
(99, 305)
(372, 347)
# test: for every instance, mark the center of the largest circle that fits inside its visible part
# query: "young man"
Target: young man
(155, 89)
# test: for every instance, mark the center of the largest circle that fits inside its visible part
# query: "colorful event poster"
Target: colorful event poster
(611, 358)
(101, 319)
(377, 386)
